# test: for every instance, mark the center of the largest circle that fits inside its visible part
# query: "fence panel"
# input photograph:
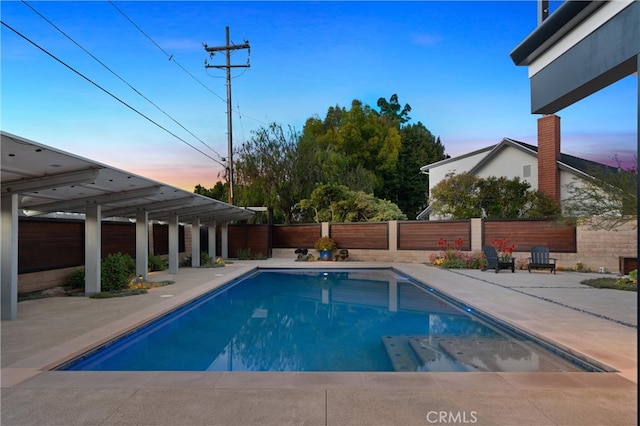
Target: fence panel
(118, 238)
(528, 233)
(255, 238)
(45, 244)
(49, 244)
(293, 236)
(161, 239)
(425, 235)
(361, 235)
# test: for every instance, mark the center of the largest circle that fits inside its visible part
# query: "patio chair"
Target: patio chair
(540, 259)
(494, 262)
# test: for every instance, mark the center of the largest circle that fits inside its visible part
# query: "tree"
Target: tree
(465, 196)
(455, 197)
(219, 192)
(408, 187)
(354, 147)
(337, 203)
(391, 110)
(268, 172)
(605, 199)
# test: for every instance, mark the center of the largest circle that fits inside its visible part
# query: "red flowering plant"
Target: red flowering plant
(505, 251)
(450, 257)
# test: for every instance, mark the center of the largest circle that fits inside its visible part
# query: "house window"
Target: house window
(526, 171)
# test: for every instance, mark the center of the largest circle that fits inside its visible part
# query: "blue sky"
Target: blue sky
(449, 60)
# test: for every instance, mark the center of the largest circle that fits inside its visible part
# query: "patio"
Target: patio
(599, 324)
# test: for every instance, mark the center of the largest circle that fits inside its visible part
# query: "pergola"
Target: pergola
(37, 179)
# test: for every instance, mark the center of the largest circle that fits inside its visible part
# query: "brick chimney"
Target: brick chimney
(548, 155)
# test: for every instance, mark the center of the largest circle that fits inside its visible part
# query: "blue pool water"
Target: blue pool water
(319, 320)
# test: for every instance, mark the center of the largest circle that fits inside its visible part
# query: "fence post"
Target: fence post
(392, 230)
(324, 229)
(476, 234)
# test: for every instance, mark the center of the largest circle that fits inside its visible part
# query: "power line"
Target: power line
(118, 76)
(169, 56)
(173, 59)
(105, 90)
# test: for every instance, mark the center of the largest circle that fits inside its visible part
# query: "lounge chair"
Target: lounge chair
(540, 259)
(493, 262)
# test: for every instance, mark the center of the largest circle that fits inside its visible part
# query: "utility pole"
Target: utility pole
(227, 48)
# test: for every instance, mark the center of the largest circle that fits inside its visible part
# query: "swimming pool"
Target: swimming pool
(323, 320)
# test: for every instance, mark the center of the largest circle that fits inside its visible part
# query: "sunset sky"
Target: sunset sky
(85, 91)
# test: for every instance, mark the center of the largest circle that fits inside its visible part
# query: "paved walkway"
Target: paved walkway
(598, 324)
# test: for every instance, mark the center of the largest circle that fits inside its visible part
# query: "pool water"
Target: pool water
(319, 320)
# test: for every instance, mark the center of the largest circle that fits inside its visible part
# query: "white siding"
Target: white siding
(510, 162)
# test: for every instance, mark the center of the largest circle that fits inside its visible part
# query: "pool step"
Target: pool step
(402, 357)
(421, 347)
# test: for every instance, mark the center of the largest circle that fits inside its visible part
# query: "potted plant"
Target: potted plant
(325, 246)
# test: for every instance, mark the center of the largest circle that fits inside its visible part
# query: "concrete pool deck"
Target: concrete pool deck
(598, 324)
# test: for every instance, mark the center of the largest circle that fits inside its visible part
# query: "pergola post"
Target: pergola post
(212, 239)
(92, 249)
(174, 243)
(142, 244)
(9, 256)
(195, 242)
(224, 240)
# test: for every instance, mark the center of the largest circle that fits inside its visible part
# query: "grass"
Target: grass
(611, 283)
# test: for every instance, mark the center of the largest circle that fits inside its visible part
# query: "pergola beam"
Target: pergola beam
(41, 183)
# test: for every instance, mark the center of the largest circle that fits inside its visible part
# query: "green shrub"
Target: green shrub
(259, 256)
(116, 272)
(156, 263)
(612, 283)
(243, 254)
(76, 278)
(205, 259)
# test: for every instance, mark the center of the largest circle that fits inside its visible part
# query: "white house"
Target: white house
(544, 167)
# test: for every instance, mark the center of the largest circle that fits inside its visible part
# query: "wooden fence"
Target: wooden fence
(46, 244)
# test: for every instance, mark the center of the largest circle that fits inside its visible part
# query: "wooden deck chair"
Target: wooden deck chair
(540, 259)
(493, 262)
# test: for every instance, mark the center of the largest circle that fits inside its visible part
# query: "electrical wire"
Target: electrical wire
(106, 91)
(169, 56)
(118, 76)
(172, 58)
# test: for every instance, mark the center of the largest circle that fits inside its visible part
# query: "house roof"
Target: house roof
(566, 162)
(48, 180)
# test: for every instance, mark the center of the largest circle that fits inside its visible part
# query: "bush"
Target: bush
(116, 272)
(76, 278)
(156, 263)
(243, 254)
(622, 283)
(205, 259)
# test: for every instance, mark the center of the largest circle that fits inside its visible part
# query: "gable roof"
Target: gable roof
(570, 163)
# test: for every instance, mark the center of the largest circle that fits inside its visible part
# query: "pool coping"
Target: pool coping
(43, 362)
